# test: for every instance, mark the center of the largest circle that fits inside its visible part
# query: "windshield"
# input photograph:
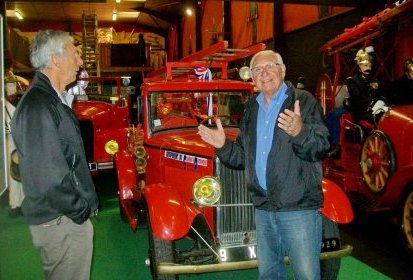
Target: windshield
(169, 110)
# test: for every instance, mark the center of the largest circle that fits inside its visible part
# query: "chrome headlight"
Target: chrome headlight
(245, 73)
(206, 191)
(111, 147)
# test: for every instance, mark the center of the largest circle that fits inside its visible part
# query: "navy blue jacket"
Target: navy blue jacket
(294, 171)
(53, 167)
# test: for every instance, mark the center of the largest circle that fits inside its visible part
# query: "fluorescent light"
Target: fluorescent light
(129, 14)
(18, 15)
(114, 16)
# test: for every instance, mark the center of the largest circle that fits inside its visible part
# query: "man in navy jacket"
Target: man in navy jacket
(281, 143)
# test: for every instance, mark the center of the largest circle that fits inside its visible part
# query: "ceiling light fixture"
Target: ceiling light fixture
(18, 15)
(117, 1)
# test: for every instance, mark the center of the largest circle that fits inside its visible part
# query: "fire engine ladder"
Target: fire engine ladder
(90, 51)
(215, 56)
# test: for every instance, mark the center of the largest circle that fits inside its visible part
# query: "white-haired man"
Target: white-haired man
(60, 195)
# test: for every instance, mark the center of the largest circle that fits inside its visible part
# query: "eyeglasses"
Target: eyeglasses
(270, 67)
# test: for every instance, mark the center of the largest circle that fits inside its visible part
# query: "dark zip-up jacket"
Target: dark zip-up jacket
(53, 168)
(294, 171)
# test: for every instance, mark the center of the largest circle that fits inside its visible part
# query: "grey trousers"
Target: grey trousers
(65, 247)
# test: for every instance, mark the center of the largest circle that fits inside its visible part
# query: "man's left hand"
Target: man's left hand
(290, 121)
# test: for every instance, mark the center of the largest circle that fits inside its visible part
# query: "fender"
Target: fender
(170, 216)
(336, 206)
(127, 186)
(127, 175)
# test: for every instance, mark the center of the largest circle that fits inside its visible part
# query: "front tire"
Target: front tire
(407, 220)
(329, 269)
(160, 251)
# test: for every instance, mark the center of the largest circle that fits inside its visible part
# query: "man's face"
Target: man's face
(365, 68)
(70, 63)
(268, 75)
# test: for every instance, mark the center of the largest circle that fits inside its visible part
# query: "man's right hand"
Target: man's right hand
(214, 137)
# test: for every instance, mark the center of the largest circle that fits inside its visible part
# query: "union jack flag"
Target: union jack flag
(203, 73)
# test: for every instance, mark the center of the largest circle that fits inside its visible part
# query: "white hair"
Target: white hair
(271, 55)
(45, 44)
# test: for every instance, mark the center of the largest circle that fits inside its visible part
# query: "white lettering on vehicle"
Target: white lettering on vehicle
(251, 250)
(223, 254)
(186, 158)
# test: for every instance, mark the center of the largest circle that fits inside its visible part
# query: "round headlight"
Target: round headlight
(111, 147)
(244, 73)
(206, 191)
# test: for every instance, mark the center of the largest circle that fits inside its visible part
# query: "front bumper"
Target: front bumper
(168, 268)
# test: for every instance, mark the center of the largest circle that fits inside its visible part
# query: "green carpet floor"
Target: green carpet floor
(119, 253)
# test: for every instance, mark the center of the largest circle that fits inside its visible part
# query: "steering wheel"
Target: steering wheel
(218, 116)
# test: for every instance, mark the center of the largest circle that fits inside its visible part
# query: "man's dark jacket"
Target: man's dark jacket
(294, 169)
(53, 168)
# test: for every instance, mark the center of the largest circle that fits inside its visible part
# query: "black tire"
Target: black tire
(330, 268)
(406, 221)
(160, 251)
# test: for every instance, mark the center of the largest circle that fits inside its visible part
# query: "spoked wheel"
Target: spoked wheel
(377, 160)
(407, 220)
(331, 241)
(160, 251)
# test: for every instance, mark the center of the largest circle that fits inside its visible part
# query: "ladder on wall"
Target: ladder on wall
(90, 50)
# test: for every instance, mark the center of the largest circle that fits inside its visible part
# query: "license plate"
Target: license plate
(330, 244)
(234, 254)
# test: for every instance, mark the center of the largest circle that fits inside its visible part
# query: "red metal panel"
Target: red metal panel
(336, 206)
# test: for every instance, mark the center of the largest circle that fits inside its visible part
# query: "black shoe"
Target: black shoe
(15, 212)
(334, 152)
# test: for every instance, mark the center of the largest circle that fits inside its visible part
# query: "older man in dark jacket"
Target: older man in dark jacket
(281, 143)
(60, 195)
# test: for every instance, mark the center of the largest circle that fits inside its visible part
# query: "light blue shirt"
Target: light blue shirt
(266, 122)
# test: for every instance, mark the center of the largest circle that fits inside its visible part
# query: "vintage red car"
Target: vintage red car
(375, 167)
(104, 114)
(200, 218)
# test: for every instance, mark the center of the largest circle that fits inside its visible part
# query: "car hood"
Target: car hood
(397, 123)
(188, 141)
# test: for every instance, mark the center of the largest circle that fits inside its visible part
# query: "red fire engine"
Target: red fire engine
(199, 215)
(375, 167)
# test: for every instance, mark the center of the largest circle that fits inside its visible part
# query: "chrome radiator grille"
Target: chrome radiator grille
(235, 213)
